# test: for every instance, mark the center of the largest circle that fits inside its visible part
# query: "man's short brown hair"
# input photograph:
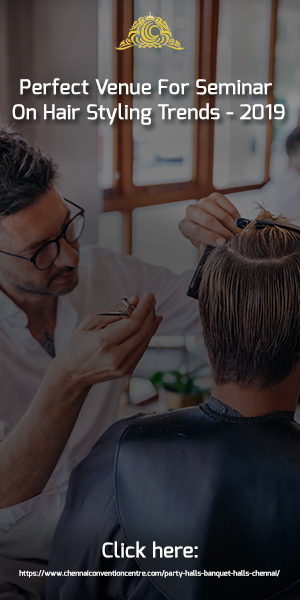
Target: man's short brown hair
(250, 306)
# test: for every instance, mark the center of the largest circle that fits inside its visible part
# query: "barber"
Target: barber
(62, 365)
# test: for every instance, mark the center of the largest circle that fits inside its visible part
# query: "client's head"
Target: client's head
(250, 306)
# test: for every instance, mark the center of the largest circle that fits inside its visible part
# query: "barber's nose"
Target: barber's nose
(68, 255)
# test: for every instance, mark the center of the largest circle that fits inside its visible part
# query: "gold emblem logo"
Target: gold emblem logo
(142, 34)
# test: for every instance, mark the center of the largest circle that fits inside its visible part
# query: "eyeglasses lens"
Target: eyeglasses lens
(46, 257)
(74, 229)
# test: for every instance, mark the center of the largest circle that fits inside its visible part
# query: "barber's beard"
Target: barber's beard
(45, 289)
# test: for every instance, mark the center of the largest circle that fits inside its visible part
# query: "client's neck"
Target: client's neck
(255, 402)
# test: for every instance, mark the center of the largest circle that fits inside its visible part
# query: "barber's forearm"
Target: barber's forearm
(30, 453)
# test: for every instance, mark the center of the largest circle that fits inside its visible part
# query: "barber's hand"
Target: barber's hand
(108, 347)
(210, 222)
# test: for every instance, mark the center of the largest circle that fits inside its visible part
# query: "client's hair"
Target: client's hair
(250, 306)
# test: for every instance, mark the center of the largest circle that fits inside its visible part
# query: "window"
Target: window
(287, 78)
(240, 147)
(172, 162)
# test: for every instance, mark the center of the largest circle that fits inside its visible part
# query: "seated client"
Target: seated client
(204, 501)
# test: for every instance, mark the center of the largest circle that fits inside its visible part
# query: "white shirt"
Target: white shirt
(26, 529)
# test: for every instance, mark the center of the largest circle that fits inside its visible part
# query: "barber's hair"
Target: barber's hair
(249, 301)
(292, 144)
(25, 174)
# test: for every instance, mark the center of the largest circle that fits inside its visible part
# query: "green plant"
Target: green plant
(174, 381)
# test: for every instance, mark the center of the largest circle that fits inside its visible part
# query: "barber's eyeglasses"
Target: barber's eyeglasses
(46, 255)
(193, 289)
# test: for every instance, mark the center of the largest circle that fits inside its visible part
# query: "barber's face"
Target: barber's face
(23, 233)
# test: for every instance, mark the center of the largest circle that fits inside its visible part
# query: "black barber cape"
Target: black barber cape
(205, 478)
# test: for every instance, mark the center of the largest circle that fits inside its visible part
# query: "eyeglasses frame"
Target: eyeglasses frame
(32, 259)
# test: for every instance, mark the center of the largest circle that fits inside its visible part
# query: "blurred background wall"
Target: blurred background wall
(41, 40)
